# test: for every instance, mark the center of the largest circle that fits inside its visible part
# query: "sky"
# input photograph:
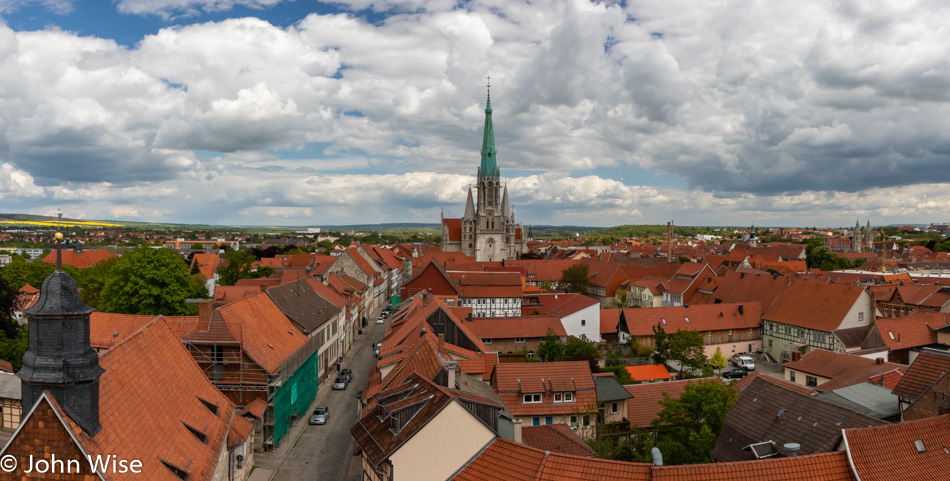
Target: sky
(278, 112)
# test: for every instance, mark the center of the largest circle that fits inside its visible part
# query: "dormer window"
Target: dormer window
(532, 398)
(564, 397)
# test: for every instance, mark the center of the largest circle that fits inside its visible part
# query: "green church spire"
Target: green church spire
(489, 167)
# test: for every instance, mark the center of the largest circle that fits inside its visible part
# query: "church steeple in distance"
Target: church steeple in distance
(489, 167)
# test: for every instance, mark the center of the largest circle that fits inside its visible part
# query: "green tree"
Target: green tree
(546, 285)
(575, 279)
(240, 265)
(686, 346)
(683, 259)
(620, 372)
(687, 427)
(860, 261)
(149, 281)
(661, 345)
(621, 298)
(19, 272)
(551, 349)
(8, 324)
(718, 360)
(13, 347)
(92, 279)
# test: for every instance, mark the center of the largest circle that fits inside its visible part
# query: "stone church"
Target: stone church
(487, 230)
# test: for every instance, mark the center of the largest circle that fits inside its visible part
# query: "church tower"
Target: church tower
(856, 237)
(868, 236)
(487, 229)
(59, 358)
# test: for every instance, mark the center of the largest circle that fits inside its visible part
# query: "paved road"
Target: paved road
(326, 452)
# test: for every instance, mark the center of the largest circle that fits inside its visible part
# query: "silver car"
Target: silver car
(339, 384)
(319, 415)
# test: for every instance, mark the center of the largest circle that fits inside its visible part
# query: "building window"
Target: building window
(568, 397)
(557, 397)
(614, 407)
(730, 332)
(530, 354)
(811, 381)
(573, 421)
(548, 420)
(770, 344)
(532, 398)
(519, 339)
(860, 316)
(583, 322)
(586, 421)
(791, 376)
(535, 421)
(486, 341)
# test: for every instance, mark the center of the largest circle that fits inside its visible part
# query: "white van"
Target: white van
(745, 362)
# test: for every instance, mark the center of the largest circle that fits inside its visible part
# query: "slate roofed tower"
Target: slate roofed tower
(59, 358)
(856, 237)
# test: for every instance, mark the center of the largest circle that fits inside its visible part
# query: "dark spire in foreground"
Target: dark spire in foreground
(59, 358)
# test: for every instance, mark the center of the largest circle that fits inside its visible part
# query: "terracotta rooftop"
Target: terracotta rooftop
(268, 336)
(556, 438)
(929, 366)
(915, 449)
(737, 287)
(831, 466)
(814, 305)
(842, 369)
(487, 284)
(82, 259)
(912, 331)
(646, 399)
(513, 380)
(743, 383)
(702, 317)
(151, 372)
(515, 327)
(648, 372)
(562, 304)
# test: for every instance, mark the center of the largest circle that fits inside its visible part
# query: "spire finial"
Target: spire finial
(59, 251)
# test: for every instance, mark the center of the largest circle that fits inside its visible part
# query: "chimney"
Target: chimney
(205, 308)
(657, 457)
(796, 356)
(791, 449)
(669, 243)
(451, 367)
(469, 316)
(442, 345)
(517, 434)
(879, 361)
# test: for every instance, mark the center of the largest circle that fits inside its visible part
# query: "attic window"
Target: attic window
(687, 319)
(891, 334)
(198, 434)
(920, 446)
(781, 413)
(180, 472)
(663, 320)
(210, 405)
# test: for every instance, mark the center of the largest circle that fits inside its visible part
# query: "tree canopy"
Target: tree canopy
(661, 345)
(150, 281)
(687, 427)
(575, 279)
(686, 347)
(19, 272)
(551, 349)
(239, 265)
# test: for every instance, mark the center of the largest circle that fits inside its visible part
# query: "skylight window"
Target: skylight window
(920, 446)
(891, 334)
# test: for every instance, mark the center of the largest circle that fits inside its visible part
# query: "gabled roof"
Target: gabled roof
(365, 266)
(831, 466)
(562, 304)
(743, 383)
(299, 302)
(814, 305)
(108, 329)
(912, 331)
(929, 366)
(150, 393)
(646, 399)
(696, 317)
(609, 388)
(881, 452)
(401, 411)
(842, 369)
(556, 438)
(454, 228)
(474, 284)
(505, 460)
(515, 327)
(767, 412)
(206, 264)
(512, 380)
(269, 336)
(744, 287)
(229, 294)
(648, 372)
(327, 293)
(82, 259)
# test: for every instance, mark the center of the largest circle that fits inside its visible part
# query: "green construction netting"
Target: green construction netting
(293, 398)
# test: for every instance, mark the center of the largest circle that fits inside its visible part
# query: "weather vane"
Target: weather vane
(489, 82)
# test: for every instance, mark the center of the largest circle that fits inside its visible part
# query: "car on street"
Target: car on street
(376, 349)
(380, 320)
(745, 362)
(348, 374)
(385, 315)
(339, 384)
(320, 415)
(735, 374)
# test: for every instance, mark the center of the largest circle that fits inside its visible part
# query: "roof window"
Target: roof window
(210, 405)
(198, 434)
(180, 472)
(920, 446)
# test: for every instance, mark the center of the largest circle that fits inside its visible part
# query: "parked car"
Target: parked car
(745, 362)
(348, 374)
(339, 384)
(385, 315)
(320, 415)
(376, 349)
(380, 320)
(735, 374)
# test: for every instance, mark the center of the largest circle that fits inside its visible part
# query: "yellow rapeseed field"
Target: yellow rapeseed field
(72, 223)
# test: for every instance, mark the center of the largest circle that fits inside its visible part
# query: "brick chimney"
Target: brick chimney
(442, 345)
(880, 361)
(205, 308)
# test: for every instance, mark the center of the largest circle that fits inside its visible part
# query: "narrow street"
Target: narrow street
(326, 452)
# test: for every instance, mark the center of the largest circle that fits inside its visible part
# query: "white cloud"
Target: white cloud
(173, 8)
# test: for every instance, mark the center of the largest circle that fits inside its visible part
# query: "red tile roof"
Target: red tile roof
(562, 304)
(831, 466)
(361, 261)
(505, 460)
(487, 284)
(151, 391)
(207, 264)
(327, 293)
(814, 305)
(701, 317)
(556, 438)
(515, 327)
(107, 329)
(744, 287)
(881, 452)
(82, 259)
(229, 294)
(454, 228)
(927, 368)
(649, 372)
(645, 404)
(539, 270)
(254, 408)
(912, 331)
(268, 336)
(512, 380)
(842, 369)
